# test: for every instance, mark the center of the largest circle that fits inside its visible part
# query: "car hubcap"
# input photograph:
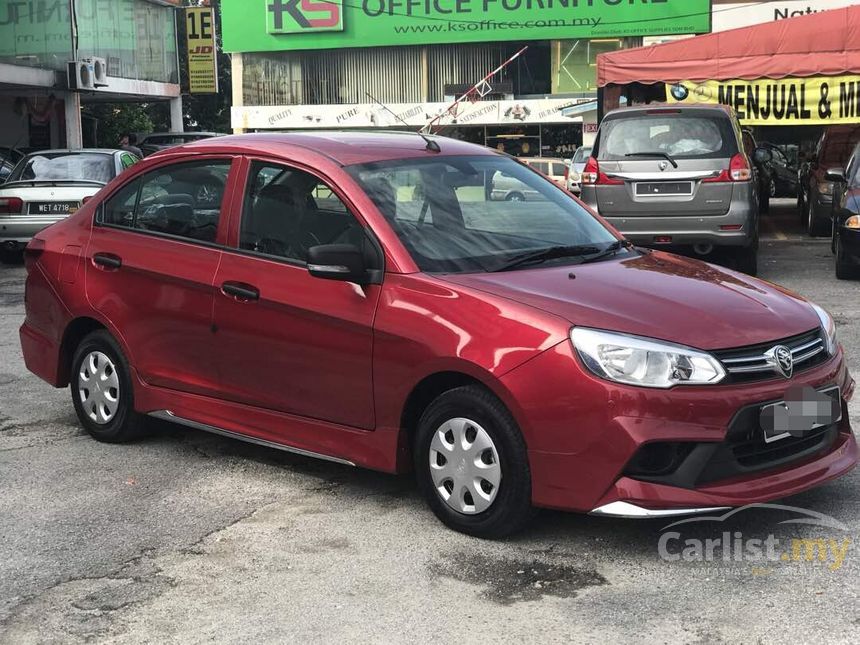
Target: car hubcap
(98, 387)
(464, 465)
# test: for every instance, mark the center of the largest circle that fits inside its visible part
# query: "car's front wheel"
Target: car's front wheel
(815, 226)
(101, 390)
(472, 464)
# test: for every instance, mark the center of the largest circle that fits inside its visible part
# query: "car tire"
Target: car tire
(515, 197)
(101, 389)
(11, 257)
(772, 188)
(844, 269)
(460, 428)
(815, 227)
(746, 259)
(764, 203)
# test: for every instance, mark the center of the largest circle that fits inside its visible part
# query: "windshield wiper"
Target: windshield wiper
(655, 153)
(551, 253)
(612, 249)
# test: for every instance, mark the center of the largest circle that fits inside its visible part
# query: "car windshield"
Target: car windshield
(74, 166)
(470, 214)
(581, 155)
(682, 137)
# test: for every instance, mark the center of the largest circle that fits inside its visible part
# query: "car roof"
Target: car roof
(671, 107)
(342, 147)
(56, 151)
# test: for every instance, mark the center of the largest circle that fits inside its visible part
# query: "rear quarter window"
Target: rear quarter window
(680, 135)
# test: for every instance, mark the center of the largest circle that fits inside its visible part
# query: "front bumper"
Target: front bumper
(583, 434)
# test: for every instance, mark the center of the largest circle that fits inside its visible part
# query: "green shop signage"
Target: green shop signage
(277, 25)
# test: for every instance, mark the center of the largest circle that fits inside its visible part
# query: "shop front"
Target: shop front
(381, 64)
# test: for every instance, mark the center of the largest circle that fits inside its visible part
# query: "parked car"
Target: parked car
(676, 175)
(343, 296)
(782, 173)
(48, 186)
(846, 216)
(761, 173)
(555, 169)
(575, 168)
(510, 188)
(816, 202)
(151, 143)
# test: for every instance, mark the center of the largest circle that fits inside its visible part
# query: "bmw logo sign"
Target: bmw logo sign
(679, 92)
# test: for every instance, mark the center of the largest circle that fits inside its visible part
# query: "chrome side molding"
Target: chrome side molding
(167, 415)
(626, 509)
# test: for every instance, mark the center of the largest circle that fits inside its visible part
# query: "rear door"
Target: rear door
(665, 162)
(152, 259)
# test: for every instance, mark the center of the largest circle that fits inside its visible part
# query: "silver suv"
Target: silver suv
(676, 175)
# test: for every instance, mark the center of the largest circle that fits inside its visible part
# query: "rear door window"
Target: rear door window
(182, 200)
(557, 169)
(681, 136)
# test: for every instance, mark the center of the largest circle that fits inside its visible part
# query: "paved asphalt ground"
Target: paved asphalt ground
(187, 537)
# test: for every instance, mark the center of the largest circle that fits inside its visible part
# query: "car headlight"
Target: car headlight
(825, 188)
(634, 360)
(829, 327)
(575, 177)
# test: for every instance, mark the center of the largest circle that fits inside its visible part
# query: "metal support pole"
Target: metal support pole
(74, 130)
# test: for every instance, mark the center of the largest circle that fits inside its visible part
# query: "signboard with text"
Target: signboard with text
(202, 55)
(281, 25)
(822, 100)
(743, 14)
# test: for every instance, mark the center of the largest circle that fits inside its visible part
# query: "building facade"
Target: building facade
(38, 38)
(398, 64)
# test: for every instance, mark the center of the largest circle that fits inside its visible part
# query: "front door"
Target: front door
(151, 268)
(288, 341)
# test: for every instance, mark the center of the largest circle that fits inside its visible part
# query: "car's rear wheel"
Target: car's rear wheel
(101, 390)
(815, 226)
(515, 197)
(472, 465)
(845, 270)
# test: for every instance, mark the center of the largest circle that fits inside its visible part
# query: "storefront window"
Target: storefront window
(137, 38)
(574, 63)
(35, 34)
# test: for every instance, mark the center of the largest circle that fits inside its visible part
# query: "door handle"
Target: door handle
(107, 260)
(241, 291)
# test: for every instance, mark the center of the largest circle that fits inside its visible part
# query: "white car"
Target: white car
(577, 165)
(48, 186)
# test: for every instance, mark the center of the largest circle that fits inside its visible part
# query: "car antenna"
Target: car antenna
(432, 146)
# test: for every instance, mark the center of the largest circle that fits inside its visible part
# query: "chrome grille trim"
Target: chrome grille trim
(803, 349)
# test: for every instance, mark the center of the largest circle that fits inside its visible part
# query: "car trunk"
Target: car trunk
(46, 201)
(653, 187)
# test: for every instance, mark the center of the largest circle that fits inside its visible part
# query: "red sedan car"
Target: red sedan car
(364, 298)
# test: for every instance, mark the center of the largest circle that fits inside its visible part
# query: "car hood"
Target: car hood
(657, 295)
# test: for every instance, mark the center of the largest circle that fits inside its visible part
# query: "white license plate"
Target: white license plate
(796, 418)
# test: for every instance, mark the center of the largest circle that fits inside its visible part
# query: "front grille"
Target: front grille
(757, 453)
(751, 364)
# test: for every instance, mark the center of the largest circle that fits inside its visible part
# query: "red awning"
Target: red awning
(821, 44)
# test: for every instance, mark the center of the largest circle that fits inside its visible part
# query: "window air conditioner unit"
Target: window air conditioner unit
(81, 75)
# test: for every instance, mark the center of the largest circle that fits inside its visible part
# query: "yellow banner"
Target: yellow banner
(820, 100)
(200, 45)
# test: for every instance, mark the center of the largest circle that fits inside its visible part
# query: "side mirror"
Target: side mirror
(836, 175)
(762, 155)
(342, 262)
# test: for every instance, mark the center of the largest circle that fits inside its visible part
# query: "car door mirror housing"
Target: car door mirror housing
(762, 155)
(342, 262)
(835, 175)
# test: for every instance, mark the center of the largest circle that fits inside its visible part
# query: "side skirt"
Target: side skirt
(167, 415)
